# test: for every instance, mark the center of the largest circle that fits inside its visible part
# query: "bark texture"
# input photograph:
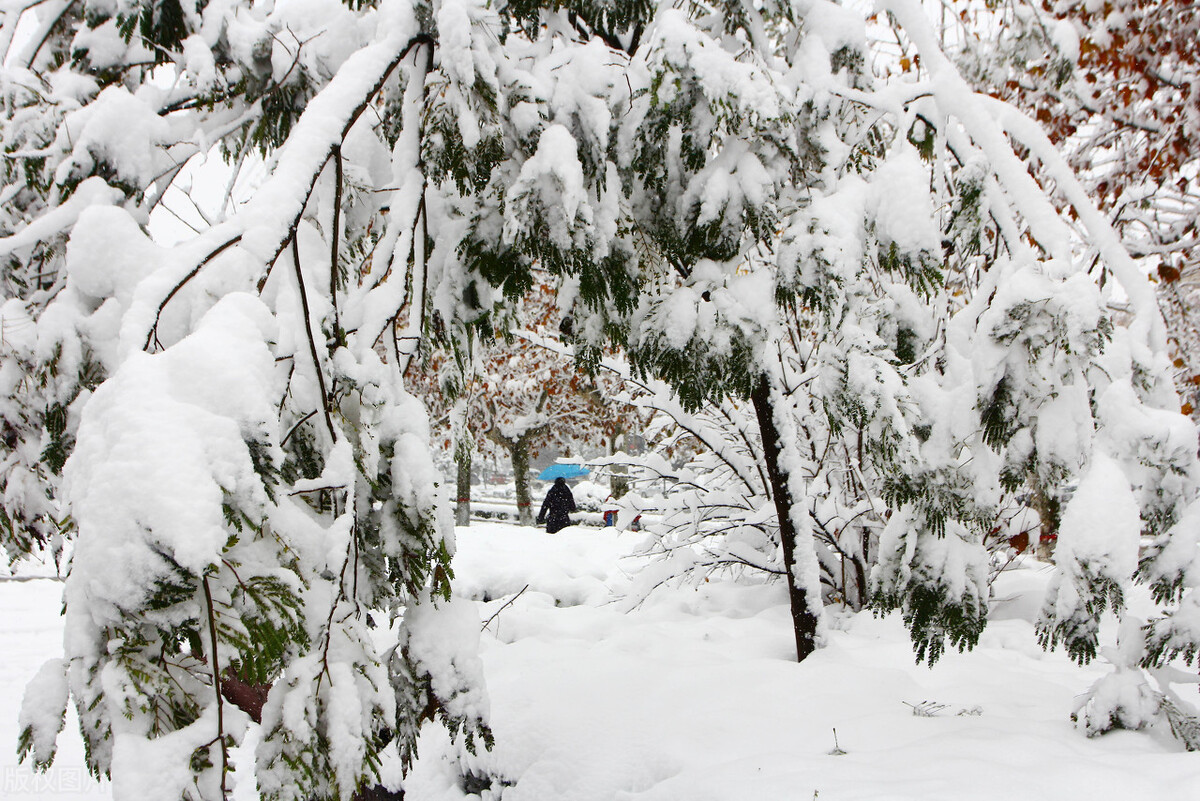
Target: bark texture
(804, 622)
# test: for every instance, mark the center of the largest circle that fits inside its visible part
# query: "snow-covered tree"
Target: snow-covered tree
(760, 172)
(221, 425)
(1113, 84)
(446, 384)
(506, 395)
(717, 514)
(705, 184)
(520, 407)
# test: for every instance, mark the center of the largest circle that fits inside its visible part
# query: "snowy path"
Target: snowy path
(693, 696)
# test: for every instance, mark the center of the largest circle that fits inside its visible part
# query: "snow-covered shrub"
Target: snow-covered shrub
(1124, 698)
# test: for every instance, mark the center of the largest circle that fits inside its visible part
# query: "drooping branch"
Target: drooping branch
(312, 343)
(216, 674)
(278, 192)
(50, 20)
(266, 225)
(335, 233)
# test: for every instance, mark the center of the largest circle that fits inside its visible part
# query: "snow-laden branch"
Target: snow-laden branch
(987, 120)
(92, 192)
(1147, 322)
(268, 221)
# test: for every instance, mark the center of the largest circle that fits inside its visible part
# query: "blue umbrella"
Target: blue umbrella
(562, 471)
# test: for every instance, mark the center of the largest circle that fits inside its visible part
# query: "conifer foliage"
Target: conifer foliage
(221, 426)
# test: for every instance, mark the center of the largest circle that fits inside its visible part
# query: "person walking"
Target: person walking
(558, 505)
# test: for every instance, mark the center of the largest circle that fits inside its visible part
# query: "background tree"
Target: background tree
(508, 395)
(446, 383)
(1114, 87)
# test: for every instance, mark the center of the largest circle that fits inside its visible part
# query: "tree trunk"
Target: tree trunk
(520, 465)
(804, 622)
(860, 570)
(618, 485)
(618, 481)
(462, 505)
(1048, 511)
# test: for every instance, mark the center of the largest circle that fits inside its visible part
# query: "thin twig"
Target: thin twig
(501, 609)
(334, 234)
(328, 633)
(212, 254)
(299, 423)
(323, 488)
(312, 343)
(216, 673)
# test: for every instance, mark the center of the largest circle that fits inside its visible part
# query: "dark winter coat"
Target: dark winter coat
(559, 502)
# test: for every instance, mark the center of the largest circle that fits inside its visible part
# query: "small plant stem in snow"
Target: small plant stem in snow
(837, 751)
(501, 609)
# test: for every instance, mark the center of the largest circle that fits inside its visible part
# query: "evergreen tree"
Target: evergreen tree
(219, 425)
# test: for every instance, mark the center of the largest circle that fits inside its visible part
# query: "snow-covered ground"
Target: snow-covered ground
(693, 694)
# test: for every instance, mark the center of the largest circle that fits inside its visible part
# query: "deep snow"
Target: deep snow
(692, 694)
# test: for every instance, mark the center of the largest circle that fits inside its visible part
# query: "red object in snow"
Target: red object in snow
(610, 519)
